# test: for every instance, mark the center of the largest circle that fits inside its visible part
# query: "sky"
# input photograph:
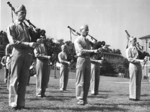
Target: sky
(107, 19)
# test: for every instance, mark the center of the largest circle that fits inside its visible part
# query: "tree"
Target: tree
(53, 49)
(118, 51)
(122, 66)
(107, 68)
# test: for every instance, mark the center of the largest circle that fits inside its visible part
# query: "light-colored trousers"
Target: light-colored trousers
(20, 64)
(95, 78)
(83, 71)
(6, 73)
(64, 72)
(135, 71)
(42, 78)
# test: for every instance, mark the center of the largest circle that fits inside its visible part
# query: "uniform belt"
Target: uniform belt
(23, 48)
(64, 64)
(84, 56)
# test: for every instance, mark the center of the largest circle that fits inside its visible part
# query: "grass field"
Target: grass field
(113, 97)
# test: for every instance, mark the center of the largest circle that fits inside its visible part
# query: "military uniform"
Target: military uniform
(95, 75)
(64, 70)
(18, 36)
(135, 73)
(20, 63)
(42, 70)
(83, 69)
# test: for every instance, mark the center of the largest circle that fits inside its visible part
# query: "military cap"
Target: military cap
(84, 27)
(21, 8)
(132, 38)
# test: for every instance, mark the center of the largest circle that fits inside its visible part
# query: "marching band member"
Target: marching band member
(3, 63)
(83, 65)
(64, 69)
(135, 70)
(19, 37)
(95, 74)
(42, 68)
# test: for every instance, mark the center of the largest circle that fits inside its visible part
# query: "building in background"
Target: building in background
(146, 47)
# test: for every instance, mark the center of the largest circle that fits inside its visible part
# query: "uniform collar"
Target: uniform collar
(18, 22)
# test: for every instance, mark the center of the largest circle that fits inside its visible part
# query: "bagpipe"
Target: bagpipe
(34, 32)
(98, 45)
(139, 47)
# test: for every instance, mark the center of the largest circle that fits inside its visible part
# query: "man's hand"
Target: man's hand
(99, 61)
(33, 44)
(97, 50)
(100, 49)
(69, 63)
(146, 58)
(48, 57)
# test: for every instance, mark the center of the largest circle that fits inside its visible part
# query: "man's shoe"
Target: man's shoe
(14, 108)
(43, 95)
(38, 95)
(80, 102)
(86, 102)
(20, 107)
(61, 90)
(133, 99)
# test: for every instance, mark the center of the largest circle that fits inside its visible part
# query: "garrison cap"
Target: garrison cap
(21, 8)
(84, 27)
(132, 38)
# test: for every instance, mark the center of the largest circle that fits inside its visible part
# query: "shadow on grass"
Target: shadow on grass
(147, 100)
(127, 95)
(145, 95)
(105, 91)
(86, 108)
(57, 91)
(30, 92)
(54, 98)
(114, 108)
(4, 92)
(31, 84)
(133, 103)
(60, 98)
(104, 96)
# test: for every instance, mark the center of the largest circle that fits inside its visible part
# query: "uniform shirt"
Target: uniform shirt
(132, 54)
(3, 61)
(62, 56)
(40, 52)
(8, 49)
(95, 58)
(8, 61)
(82, 44)
(17, 32)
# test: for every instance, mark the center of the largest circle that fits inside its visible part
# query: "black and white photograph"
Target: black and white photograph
(74, 56)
